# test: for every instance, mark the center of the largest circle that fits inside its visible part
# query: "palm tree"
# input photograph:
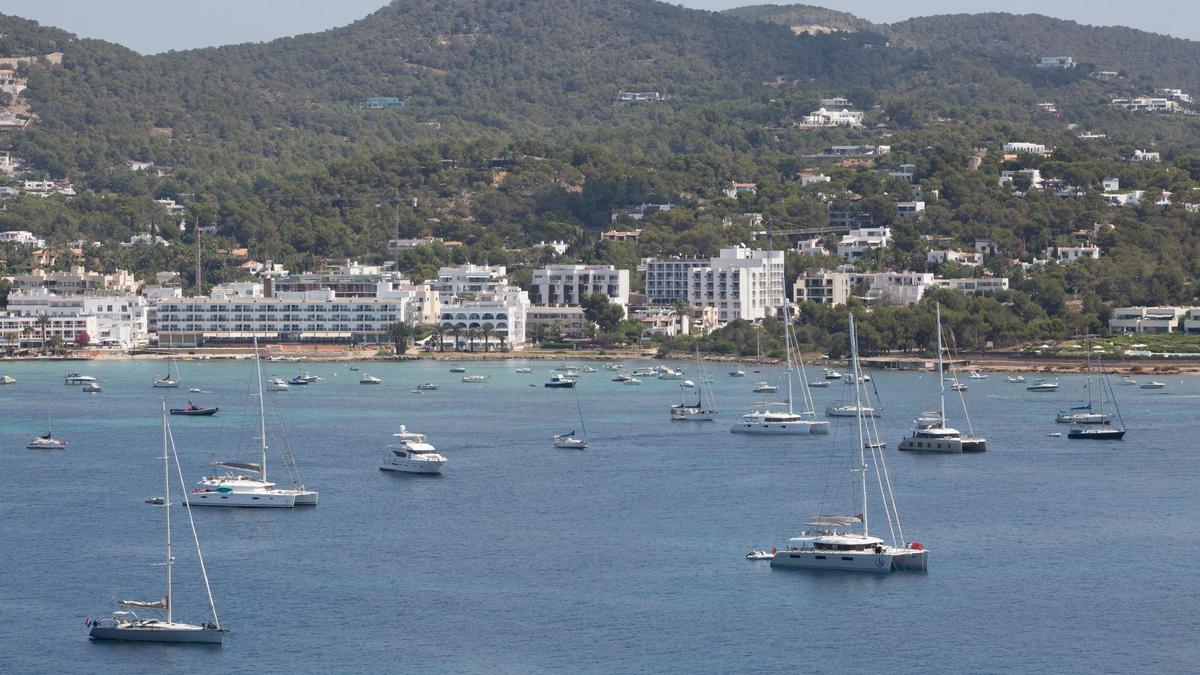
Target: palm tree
(439, 332)
(472, 335)
(43, 321)
(10, 340)
(486, 333)
(457, 332)
(56, 343)
(399, 333)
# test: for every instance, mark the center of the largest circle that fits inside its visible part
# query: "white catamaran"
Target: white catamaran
(930, 433)
(844, 542)
(126, 624)
(245, 483)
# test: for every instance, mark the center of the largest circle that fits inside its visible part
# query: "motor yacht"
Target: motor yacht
(368, 378)
(774, 418)
(1152, 385)
(737, 373)
(277, 384)
(1043, 385)
(976, 375)
(557, 381)
(412, 454)
(474, 378)
(76, 378)
(765, 388)
(7, 379)
(93, 388)
(427, 386)
(1015, 378)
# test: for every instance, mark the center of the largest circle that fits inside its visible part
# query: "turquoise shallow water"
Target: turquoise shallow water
(1046, 554)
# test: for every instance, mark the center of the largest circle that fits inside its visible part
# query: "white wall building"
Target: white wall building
(1147, 319)
(569, 284)
(857, 242)
(1056, 62)
(833, 118)
(975, 286)
(75, 281)
(1021, 148)
(470, 279)
(1147, 104)
(740, 283)
(503, 309)
(811, 246)
(1072, 253)
(1034, 176)
(23, 238)
(969, 259)
(897, 288)
(667, 278)
(117, 320)
(909, 209)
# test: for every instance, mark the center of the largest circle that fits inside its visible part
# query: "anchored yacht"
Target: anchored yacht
(412, 454)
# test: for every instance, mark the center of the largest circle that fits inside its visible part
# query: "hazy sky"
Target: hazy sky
(151, 26)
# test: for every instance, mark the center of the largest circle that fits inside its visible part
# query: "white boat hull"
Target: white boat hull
(704, 416)
(273, 499)
(305, 497)
(945, 445)
(852, 561)
(159, 632)
(406, 466)
(805, 428)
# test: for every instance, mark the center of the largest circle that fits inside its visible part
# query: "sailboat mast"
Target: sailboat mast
(167, 508)
(262, 414)
(787, 348)
(862, 457)
(579, 408)
(941, 377)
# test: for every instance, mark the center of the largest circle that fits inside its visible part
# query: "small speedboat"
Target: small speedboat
(1055, 434)
(298, 380)
(474, 378)
(737, 373)
(6, 379)
(1153, 385)
(76, 378)
(427, 386)
(765, 388)
(633, 380)
(560, 382)
(1015, 378)
(194, 410)
(687, 384)
(458, 369)
(523, 370)
(368, 378)
(832, 374)
(1042, 385)
(589, 369)
(976, 375)
(570, 441)
(958, 386)
(818, 383)
(1127, 380)
(93, 387)
(156, 501)
(276, 384)
(622, 377)
(353, 367)
(760, 555)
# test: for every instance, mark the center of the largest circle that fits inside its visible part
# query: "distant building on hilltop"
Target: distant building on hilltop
(380, 102)
(1056, 62)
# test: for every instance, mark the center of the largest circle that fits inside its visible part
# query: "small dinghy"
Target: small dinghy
(760, 555)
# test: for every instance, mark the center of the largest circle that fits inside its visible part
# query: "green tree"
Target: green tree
(605, 314)
(43, 322)
(399, 333)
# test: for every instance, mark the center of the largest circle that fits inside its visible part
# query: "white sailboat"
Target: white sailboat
(845, 542)
(166, 381)
(1084, 414)
(930, 433)
(47, 441)
(245, 484)
(698, 412)
(571, 440)
(126, 624)
(780, 418)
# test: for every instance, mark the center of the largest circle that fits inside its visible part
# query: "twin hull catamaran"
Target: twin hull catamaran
(245, 484)
(780, 417)
(844, 542)
(930, 433)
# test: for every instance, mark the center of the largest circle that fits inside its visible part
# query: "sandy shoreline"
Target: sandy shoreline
(999, 363)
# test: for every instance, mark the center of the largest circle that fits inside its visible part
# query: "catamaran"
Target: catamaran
(844, 542)
(126, 624)
(930, 433)
(777, 418)
(245, 483)
(46, 441)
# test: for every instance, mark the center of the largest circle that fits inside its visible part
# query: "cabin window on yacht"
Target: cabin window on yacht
(848, 557)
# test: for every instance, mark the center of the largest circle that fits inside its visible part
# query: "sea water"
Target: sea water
(1046, 554)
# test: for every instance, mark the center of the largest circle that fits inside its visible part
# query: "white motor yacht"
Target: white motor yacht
(831, 374)
(1015, 378)
(93, 387)
(1153, 385)
(76, 378)
(848, 410)
(427, 386)
(1127, 380)
(668, 373)
(649, 371)
(474, 378)
(412, 454)
(976, 375)
(1043, 385)
(368, 378)
(277, 384)
(7, 379)
(765, 388)
(737, 373)
(523, 370)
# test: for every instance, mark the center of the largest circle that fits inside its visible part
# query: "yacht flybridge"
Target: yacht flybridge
(245, 484)
(844, 542)
(780, 417)
(930, 432)
(126, 624)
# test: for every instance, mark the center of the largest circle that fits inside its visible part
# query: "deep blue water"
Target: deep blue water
(1046, 554)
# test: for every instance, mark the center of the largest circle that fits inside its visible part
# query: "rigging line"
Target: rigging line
(289, 457)
(880, 465)
(192, 522)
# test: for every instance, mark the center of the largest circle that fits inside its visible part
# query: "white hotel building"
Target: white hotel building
(306, 316)
(503, 310)
(116, 320)
(569, 284)
(740, 283)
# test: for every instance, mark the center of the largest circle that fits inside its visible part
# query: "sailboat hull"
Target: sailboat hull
(948, 445)
(260, 500)
(806, 428)
(852, 561)
(158, 631)
(1096, 434)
